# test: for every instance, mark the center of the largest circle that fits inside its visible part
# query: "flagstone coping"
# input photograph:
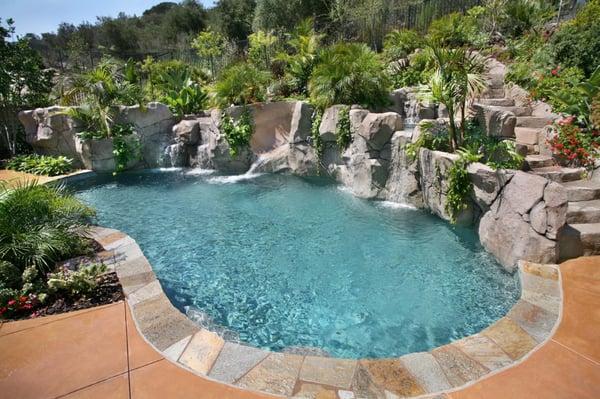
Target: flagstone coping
(508, 341)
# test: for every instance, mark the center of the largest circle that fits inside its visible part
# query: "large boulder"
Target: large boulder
(487, 183)
(434, 168)
(524, 221)
(301, 124)
(329, 122)
(377, 129)
(505, 234)
(51, 131)
(496, 121)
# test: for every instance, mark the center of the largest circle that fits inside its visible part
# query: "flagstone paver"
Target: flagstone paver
(235, 360)
(276, 374)
(202, 351)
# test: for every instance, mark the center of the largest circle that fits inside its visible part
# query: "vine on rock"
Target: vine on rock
(343, 131)
(459, 183)
(237, 134)
(126, 146)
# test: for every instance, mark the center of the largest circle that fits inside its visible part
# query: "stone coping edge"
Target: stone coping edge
(507, 342)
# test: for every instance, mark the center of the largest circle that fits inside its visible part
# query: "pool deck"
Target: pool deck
(99, 353)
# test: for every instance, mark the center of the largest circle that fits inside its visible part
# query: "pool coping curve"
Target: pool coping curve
(509, 341)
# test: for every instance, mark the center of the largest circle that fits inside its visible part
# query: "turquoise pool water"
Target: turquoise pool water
(280, 262)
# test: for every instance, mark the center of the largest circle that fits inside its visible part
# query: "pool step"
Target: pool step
(584, 212)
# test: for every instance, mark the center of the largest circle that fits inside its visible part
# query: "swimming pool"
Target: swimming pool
(281, 262)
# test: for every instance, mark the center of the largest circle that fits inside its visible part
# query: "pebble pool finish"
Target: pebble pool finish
(280, 262)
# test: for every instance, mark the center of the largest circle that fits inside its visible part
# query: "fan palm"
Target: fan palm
(40, 224)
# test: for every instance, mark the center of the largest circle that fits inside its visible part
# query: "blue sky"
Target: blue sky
(37, 16)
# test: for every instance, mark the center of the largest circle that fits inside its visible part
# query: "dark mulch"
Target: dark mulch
(108, 291)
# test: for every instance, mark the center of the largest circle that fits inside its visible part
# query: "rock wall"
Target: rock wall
(50, 131)
(519, 215)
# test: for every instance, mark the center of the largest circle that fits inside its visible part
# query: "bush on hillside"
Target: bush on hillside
(349, 73)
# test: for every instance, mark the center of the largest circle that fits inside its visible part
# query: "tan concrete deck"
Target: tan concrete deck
(98, 353)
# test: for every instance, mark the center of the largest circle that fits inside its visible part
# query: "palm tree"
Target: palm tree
(457, 80)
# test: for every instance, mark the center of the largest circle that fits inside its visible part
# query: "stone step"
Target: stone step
(584, 212)
(493, 93)
(582, 190)
(579, 239)
(537, 161)
(518, 111)
(497, 102)
(526, 149)
(526, 135)
(533, 121)
(560, 174)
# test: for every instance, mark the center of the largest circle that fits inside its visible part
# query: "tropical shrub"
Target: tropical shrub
(237, 133)
(241, 84)
(577, 42)
(413, 71)
(523, 16)
(210, 45)
(580, 99)
(315, 134)
(41, 164)
(401, 43)
(450, 31)
(302, 56)
(555, 84)
(262, 48)
(349, 74)
(456, 81)
(41, 224)
(182, 94)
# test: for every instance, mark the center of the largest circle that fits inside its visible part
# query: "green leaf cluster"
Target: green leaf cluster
(46, 165)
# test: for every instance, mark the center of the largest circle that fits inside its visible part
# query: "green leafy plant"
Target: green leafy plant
(126, 146)
(401, 43)
(210, 45)
(349, 74)
(241, 84)
(75, 283)
(343, 129)
(579, 100)
(457, 80)
(433, 137)
(237, 133)
(181, 93)
(577, 42)
(41, 164)
(459, 183)
(316, 141)
(262, 48)
(40, 224)
(302, 56)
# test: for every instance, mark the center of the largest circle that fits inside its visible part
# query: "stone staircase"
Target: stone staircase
(581, 235)
(525, 124)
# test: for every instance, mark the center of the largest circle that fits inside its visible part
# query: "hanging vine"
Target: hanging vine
(237, 134)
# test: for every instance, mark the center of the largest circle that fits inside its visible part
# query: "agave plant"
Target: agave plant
(40, 224)
(348, 74)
